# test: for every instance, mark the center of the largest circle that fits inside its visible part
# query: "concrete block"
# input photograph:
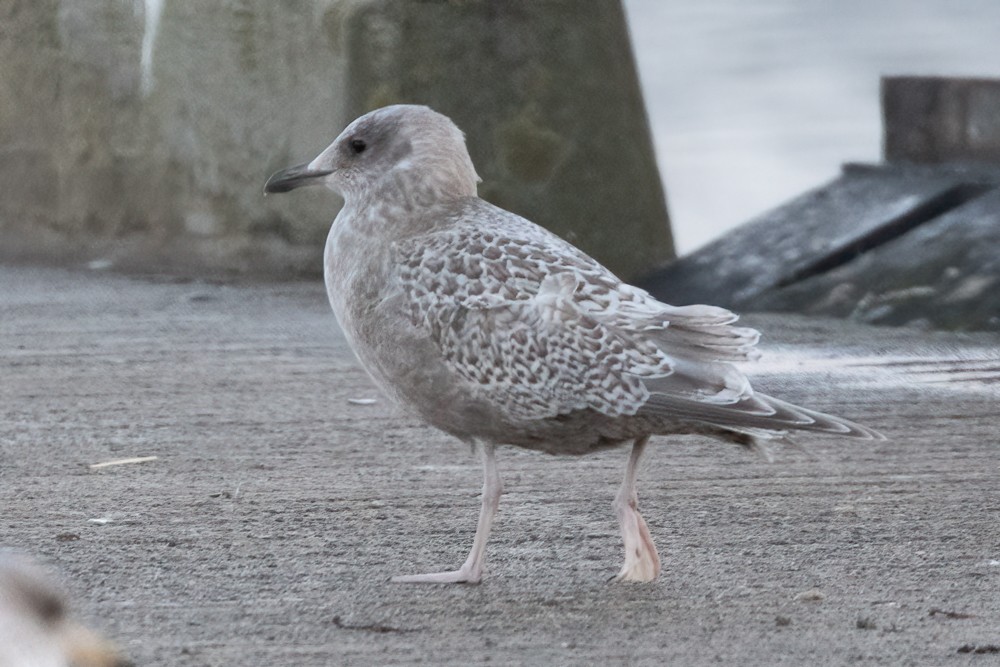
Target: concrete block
(932, 120)
(549, 98)
(139, 134)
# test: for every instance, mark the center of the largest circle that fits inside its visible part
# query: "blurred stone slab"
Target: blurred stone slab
(931, 120)
(139, 134)
(886, 245)
(549, 98)
(823, 227)
(944, 274)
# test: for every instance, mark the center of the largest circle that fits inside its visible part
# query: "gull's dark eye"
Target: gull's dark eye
(358, 145)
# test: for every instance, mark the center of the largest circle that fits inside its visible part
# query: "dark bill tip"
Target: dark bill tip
(294, 177)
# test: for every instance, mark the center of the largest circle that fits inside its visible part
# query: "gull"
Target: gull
(498, 332)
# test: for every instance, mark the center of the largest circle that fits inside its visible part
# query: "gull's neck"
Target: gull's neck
(394, 204)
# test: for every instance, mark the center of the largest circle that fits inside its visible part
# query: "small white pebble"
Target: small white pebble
(811, 595)
(100, 522)
(362, 401)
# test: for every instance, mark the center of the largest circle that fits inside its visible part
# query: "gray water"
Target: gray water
(753, 102)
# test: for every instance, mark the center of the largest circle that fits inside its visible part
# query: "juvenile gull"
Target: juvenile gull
(500, 333)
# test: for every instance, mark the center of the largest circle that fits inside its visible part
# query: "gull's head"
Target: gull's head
(404, 148)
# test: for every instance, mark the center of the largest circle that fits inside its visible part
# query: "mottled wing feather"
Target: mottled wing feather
(542, 357)
(546, 330)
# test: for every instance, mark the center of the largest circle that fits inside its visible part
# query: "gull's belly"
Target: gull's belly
(400, 357)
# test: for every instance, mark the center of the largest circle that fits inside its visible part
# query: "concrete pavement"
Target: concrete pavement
(265, 531)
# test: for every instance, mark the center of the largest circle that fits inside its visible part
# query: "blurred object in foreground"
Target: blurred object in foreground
(894, 244)
(35, 629)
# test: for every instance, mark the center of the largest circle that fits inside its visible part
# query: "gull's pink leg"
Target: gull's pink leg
(472, 570)
(642, 563)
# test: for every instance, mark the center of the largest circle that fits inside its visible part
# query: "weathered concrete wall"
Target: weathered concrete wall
(155, 159)
(930, 119)
(140, 134)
